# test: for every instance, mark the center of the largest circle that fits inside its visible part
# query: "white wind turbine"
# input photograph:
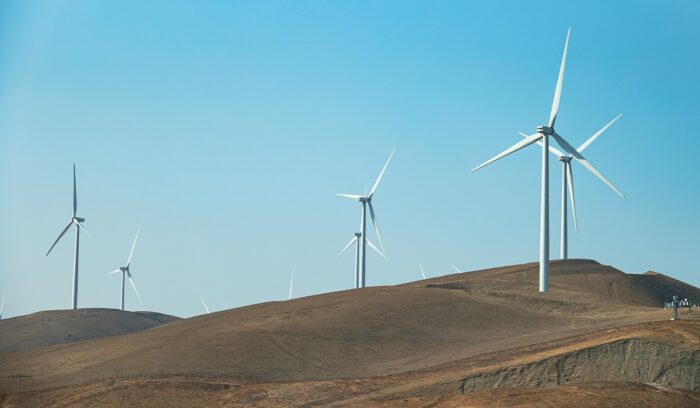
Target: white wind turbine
(127, 272)
(422, 272)
(77, 221)
(291, 286)
(2, 305)
(543, 133)
(355, 240)
(567, 184)
(366, 201)
(204, 304)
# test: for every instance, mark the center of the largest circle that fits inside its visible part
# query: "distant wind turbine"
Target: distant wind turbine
(204, 304)
(291, 285)
(355, 240)
(77, 221)
(127, 272)
(456, 269)
(568, 184)
(2, 305)
(421, 270)
(543, 133)
(366, 201)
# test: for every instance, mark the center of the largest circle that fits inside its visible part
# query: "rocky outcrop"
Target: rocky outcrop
(632, 360)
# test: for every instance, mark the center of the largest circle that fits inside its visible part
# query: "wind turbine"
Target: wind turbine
(355, 239)
(77, 221)
(456, 269)
(2, 305)
(127, 272)
(204, 304)
(567, 183)
(366, 201)
(421, 270)
(543, 133)
(291, 285)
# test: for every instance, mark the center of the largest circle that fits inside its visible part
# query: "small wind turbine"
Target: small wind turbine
(77, 221)
(366, 201)
(355, 240)
(421, 270)
(568, 184)
(543, 133)
(204, 304)
(291, 285)
(127, 272)
(2, 305)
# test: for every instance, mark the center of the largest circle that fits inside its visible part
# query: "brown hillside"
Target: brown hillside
(353, 339)
(66, 326)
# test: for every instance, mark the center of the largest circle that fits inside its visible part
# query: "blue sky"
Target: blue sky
(224, 130)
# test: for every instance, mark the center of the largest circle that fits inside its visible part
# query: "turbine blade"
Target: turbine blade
(579, 157)
(204, 304)
(421, 270)
(352, 241)
(552, 149)
(81, 226)
(75, 193)
(291, 285)
(593, 170)
(351, 196)
(521, 144)
(371, 245)
(376, 226)
(456, 269)
(595, 136)
(128, 262)
(2, 305)
(381, 174)
(570, 182)
(60, 236)
(560, 82)
(131, 280)
(113, 272)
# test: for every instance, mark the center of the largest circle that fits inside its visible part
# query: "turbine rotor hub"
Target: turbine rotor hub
(545, 130)
(365, 199)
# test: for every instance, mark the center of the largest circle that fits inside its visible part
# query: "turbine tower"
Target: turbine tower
(127, 272)
(355, 239)
(567, 184)
(366, 201)
(77, 221)
(543, 133)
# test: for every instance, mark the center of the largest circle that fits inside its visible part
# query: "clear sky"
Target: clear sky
(225, 129)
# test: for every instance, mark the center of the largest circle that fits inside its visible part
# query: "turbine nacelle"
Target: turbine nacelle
(78, 219)
(565, 159)
(545, 130)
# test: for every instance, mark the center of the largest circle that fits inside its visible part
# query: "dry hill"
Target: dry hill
(439, 341)
(65, 326)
